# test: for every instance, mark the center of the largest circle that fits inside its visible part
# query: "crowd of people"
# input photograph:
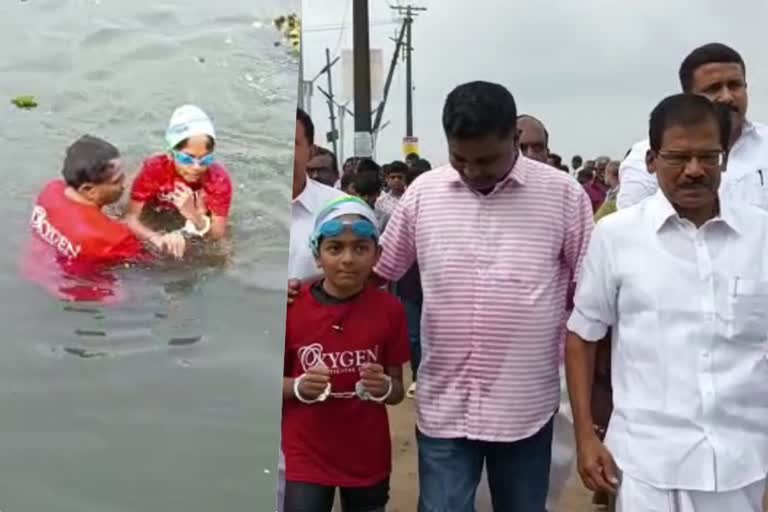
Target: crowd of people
(610, 315)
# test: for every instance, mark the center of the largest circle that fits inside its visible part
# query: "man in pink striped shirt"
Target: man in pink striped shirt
(498, 239)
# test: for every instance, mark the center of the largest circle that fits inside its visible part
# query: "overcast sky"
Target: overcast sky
(591, 70)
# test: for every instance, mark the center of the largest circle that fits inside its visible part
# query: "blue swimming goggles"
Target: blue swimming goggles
(360, 227)
(185, 159)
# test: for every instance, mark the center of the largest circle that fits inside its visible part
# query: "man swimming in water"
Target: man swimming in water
(70, 227)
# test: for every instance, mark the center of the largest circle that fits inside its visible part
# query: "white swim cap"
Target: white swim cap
(188, 121)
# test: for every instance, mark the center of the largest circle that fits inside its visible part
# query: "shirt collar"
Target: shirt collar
(518, 175)
(309, 199)
(662, 211)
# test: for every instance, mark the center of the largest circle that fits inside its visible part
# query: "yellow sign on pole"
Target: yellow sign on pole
(410, 145)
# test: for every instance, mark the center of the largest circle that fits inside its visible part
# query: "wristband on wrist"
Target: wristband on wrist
(190, 228)
(297, 394)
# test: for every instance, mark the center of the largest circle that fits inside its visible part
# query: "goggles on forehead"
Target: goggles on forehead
(335, 227)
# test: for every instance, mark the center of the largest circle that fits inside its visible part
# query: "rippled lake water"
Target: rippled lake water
(168, 401)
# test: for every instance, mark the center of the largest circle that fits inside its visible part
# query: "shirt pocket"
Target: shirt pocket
(747, 320)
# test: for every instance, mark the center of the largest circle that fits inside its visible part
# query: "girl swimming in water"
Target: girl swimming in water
(187, 181)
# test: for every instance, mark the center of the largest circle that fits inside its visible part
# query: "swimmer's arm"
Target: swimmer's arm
(218, 227)
(398, 393)
(131, 220)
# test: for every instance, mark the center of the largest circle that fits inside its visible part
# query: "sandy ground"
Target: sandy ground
(405, 479)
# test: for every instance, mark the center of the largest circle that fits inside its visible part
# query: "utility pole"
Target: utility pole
(409, 12)
(388, 82)
(333, 136)
(408, 73)
(362, 78)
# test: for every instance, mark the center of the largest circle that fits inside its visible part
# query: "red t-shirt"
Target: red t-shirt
(81, 232)
(342, 441)
(79, 240)
(158, 178)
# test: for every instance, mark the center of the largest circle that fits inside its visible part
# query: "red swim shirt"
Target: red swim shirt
(158, 178)
(71, 240)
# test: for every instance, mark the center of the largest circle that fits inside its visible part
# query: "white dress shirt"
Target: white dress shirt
(690, 342)
(745, 181)
(304, 209)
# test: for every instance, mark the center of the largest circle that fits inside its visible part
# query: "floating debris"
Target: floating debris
(25, 102)
(290, 27)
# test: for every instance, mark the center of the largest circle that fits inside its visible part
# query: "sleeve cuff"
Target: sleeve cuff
(586, 328)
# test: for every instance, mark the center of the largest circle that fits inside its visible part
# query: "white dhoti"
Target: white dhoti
(563, 447)
(636, 496)
(563, 455)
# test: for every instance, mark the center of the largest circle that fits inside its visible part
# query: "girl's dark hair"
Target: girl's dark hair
(88, 160)
(210, 145)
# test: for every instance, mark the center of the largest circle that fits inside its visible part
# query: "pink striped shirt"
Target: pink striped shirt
(495, 271)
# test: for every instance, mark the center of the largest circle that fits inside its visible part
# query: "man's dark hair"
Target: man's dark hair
(683, 110)
(478, 109)
(585, 176)
(526, 116)
(556, 159)
(88, 160)
(309, 126)
(412, 156)
(418, 168)
(319, 150)
(708, 54)
(368, 165)
(396, 167)
(346, 181)
(351, 162)
(367, 183)
(577, 158)
(423, 165)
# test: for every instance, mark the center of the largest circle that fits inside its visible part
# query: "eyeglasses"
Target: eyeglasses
(185, 159)
(705, 158)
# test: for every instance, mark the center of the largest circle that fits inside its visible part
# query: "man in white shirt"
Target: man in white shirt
(308, 198)
(718, 73)
(682, 279)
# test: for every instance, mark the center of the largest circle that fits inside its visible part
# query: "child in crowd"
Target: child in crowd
(187, 182)
(346, 343)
